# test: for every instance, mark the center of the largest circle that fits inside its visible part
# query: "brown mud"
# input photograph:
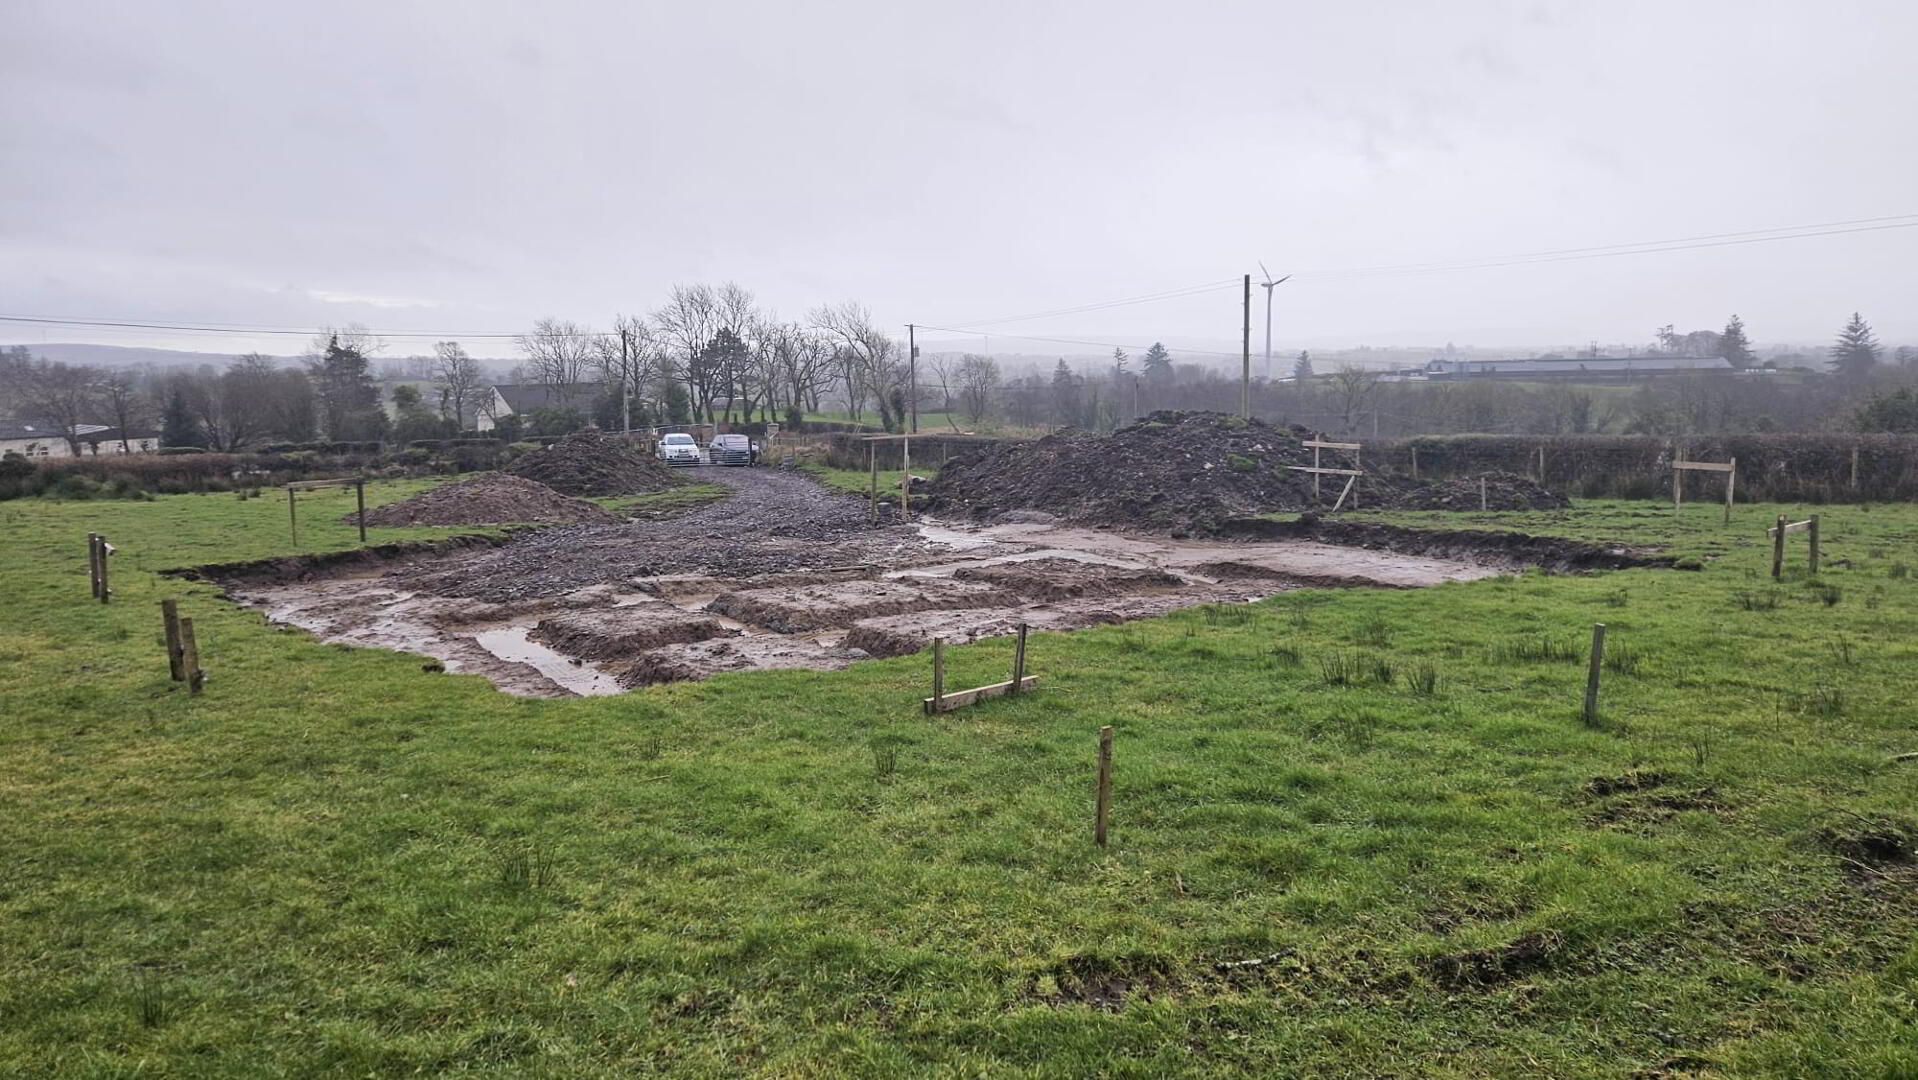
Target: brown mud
(785, 574)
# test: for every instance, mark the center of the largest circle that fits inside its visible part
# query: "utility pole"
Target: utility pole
(912, 369)
(625, 377)
(1245, 355)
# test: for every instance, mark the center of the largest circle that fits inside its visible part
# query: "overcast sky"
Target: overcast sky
(472, 166)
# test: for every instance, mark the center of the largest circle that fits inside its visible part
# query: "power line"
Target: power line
(1167, 294)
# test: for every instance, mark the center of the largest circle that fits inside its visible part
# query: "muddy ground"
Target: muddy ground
(787, 574)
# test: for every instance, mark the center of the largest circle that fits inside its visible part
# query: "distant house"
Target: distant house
(523, 399)
(1579, 367)
(45, 441)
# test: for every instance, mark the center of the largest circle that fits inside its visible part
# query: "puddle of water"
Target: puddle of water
(511, 643)
(946, 536)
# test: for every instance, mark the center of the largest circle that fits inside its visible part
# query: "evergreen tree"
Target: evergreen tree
(1119, 362)
(1733, 345)
(1158, 362)
(1067, 408)
(416, 420)
(178, 425)
(1896, 413)
(1302, 367)
(349, 400)
(1856, 351)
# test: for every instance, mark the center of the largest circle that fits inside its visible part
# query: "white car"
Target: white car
(679, 448)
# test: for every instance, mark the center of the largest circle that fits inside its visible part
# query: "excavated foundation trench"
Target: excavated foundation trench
(650, 615)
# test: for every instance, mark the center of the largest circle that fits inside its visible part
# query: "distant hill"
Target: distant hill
(129, 355)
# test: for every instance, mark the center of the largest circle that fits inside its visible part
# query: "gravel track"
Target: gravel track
(776, 520)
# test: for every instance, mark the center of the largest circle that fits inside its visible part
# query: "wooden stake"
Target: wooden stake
(1019, 662)
(1315, 476)
(1591, 677)
(1778, 550)
(190, 648)
(175, 653)
(1814, 545)
(1483, 504)
(1678, 498)
(292, 516)
(93, 565)
(106, 587)
(1415, 462)
(1854, 468)
(1541, 463)
(1105, 786)
(905, 481)
(1731, 481)
(359, 491)
(872, 463)
(938, 673)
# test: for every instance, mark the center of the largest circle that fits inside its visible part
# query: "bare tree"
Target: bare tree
(122, 400)
(1352, 389)
(60, 396)
(978, 378)
(686, 324)
(460, 380)
(628, 362)
(871, 358)
(558, 352)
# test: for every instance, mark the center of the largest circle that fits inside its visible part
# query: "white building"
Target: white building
(42, 441)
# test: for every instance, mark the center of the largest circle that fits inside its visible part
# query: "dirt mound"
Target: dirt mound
(1184, 473)
(1066, 579)
(490, 499)
(594, 463)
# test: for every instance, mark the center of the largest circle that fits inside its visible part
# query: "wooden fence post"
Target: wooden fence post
(872, 466)
(1591, 677)
(1854, 468)
(292, 516)
(938, 673)
(1415, 461)
(190, 646)
(1678, 491)
(1813, 530)
(1778, 550)
(359, 492)
(106, 578)
(1105, 786)
(175, 653)
(93, 565)
(1731, 481)
(905, 480)
(1483, 504)
(1019, 661)
(1541, 463)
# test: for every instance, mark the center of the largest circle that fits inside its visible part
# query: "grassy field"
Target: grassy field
(1355, 833)
(859, 481)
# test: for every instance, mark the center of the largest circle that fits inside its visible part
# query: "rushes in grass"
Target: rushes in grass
(1842, 653)
(1899, 570)
(1373, 631)
(1622, 659)
(1617, 598)
(885, 762)
(1285, 656)
(149, 1001)
(1537, 650)
(1339, 669)
(1422, 680)
(1757, 601)
(1820, 701)
(1383, 670)
(1830, 594)
(527, 870)
(652, 748)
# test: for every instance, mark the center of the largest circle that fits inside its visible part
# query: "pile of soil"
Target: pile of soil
(594, 463)
(1184, 474)
(489, 499)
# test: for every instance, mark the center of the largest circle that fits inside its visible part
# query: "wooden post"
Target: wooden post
(1415, 461)
(1678, 496)
(1591, 677)
(1105, 786)
(872, 463)
(105, 550)
(905, 480)
(1813, 529)
(1541, 463)
(1315, 476)
(93, 565)
(190, 647)
(1778, 550)
(1019, 661)
(175, 652)
(1483, 503)
(938, 672)
(359, 492)
(1854, 468)
(1731, 482)
(292, 516)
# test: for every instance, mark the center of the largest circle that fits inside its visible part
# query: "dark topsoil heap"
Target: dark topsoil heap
(595, 463)
(490, 499)
(1187, 472)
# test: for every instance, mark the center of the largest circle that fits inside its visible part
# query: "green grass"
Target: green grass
(334, 863)
(859, 481)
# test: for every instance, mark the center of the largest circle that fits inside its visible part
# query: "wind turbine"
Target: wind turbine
(1268, 285)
